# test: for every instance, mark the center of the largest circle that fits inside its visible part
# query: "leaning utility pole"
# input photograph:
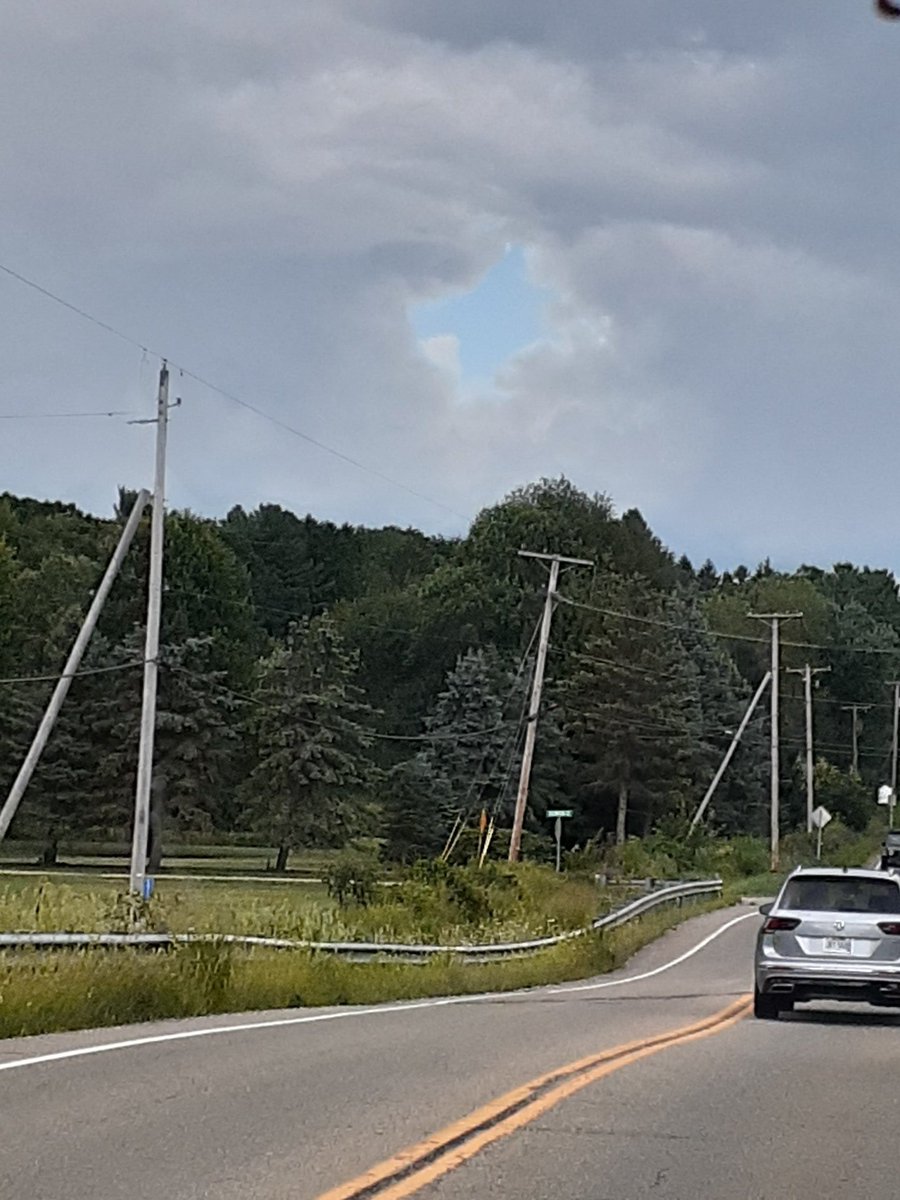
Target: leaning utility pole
(807, 672)
(151, 645)
(856, 709)
(895, 684)
(729, 753)
(17, 791)
(775, 620)
(555, 561)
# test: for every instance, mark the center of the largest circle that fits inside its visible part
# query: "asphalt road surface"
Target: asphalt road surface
(657, 1086)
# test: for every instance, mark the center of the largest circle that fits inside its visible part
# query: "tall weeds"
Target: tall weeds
(42, 993)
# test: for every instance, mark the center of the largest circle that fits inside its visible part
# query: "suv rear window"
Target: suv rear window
(841, 894)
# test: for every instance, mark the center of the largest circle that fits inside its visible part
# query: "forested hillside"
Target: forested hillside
(323, 683)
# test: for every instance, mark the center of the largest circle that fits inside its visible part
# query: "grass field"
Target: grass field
(41, 993)
(90, 904)
(464, 907)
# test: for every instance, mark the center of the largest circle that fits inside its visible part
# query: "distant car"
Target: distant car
(890, 850)
(830, 935)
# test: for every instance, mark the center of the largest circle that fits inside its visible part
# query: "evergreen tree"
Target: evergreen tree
(312, 733)
(45, 814)
(739, 802)
(197, 732)
(864, 657)
(10, 610)
(414, 804)
(473, 735)
(633, 711)
(276, 548)
(707, 577)
(637, 551)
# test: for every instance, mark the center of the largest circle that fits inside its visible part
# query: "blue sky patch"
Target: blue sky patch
(500, 316)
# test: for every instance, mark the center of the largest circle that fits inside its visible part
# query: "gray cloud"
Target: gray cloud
(705, 189)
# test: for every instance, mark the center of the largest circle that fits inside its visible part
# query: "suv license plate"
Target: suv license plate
(833, 945)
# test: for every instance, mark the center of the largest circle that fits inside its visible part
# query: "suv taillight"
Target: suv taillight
(780, 924)
(892, 928)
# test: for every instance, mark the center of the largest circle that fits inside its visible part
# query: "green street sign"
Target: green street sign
(560, 812)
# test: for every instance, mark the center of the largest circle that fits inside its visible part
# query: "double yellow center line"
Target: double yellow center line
(406, 1173)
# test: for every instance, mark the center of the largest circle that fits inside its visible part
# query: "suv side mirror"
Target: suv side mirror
(765, 909)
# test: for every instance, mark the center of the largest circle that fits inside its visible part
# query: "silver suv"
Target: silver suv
(830, 935)
(890, 850)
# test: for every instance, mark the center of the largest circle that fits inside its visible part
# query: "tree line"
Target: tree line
(323, 683)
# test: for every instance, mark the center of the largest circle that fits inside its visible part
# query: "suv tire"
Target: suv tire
(765, 1008)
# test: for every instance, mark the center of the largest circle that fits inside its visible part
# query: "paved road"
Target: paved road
(804, 1107)
(795, 1110)
(294, 1109)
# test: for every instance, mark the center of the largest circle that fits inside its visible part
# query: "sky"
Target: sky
(653, 247)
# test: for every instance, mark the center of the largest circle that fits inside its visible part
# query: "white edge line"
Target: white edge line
(375, 1010)
(608, 983)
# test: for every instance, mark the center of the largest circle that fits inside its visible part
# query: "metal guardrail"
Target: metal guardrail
(368, 951)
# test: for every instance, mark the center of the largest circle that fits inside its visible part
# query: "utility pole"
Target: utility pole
(775, 620)
(17, 791)
(895, 684)
(555, 561)
(807, 672)
(151, 645)
(856, 709)
(729, 753)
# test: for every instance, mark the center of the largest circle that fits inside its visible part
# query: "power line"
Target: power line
(465, 809)
(635, 669)
(313, 441)
(659, 623)
(62, 416)
(74, 674)
(228, 395)
(732, 637)
(614, 715)
(523, 661)
(512, 744)
(840, 703)
(438, 737)
(828, 749)
(511, 751)
(450, 735)
(628, 668)
(75, 309)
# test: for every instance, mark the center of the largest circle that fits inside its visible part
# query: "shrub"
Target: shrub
(352, 878)
(744, 856)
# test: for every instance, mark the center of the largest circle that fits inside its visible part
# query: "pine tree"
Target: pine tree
(197, 730)
(312, 732)
(707, 577)
(49, 803)
(414, 805)
(64, 797)
(474, 736)
(865, 657)
(723, 697)
(10, 612)
(633, 710)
